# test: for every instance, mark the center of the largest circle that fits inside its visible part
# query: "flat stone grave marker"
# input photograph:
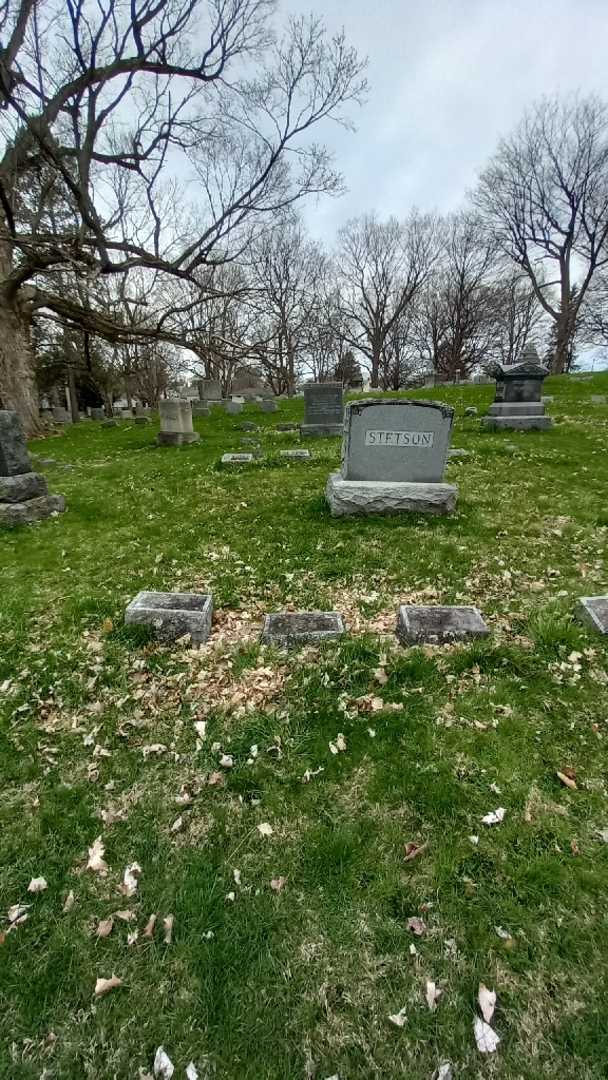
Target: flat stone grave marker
(176, 423)
(236, 459)
(141, 421)
(247, 426)
(286, 427)
(24, 497)
(458, 452)
(296, 455)
(172, 615)
(323, 410)
(293, 628)
(598, 399)
(109, 423)
(394, 454)
(97, 413)
(417, 625)
(593, 611)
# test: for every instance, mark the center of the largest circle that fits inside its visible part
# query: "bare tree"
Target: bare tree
(454, 315)
(517, 317)
(381, 268)
(544, 200)
(105, 103)
(287, 271)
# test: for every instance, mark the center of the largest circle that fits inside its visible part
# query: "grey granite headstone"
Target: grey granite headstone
(176, 423)
(210, 390)
(14, 457)
(200, 408)
(323, 409)
(292, 628)
(60, 415)
(417, 625)
(394, 453)
(172, 615)
(268, 406)
(97, 413)
(593, 611)
(126, 414)
(396, 440)
(233, 408)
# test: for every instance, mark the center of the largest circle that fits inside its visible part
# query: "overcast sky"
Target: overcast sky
(447, 78)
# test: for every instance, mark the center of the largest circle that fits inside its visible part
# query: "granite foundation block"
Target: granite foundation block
(347, 498)
(23, 486)
(176, 438)
(517, 423)
(172, 615)
(28, 513)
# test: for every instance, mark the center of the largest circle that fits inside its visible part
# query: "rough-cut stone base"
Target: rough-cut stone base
(176, 438)
(350, 497)
(18, 489)
(296, 455)
(320, 431)
(26, 513)
(293, 628)
(518, 423)
(436, 625)
(172, 615)
(593, 611)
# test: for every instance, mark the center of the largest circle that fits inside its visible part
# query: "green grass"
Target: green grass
(300, 983)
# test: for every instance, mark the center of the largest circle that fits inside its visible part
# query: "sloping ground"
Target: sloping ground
(291, 946)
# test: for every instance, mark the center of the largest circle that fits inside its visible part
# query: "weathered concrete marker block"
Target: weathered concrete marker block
(293, 628)
(236, 459)
(172, 615)
(592, 611)
(417, 625)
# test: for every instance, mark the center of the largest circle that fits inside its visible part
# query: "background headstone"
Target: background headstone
(323, 409)
(14, 457)
(210, 390)
(176, 423)
(24, 496)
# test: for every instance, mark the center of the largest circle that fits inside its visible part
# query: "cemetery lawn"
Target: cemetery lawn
(292, 943)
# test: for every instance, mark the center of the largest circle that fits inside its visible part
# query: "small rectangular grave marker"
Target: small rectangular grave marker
(236, 459)
(296, 455)
(417, 625)
(323, 409)
(292, 628)
(593, 611)
(172, 615)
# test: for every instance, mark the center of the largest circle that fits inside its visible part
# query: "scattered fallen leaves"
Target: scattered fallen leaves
(68, 903)
(265, 829)
(444, 1072)
(412, 850)
(339, 746)
(567, 778)
(200, 726)
(191, 1071)
(416, 925)
(226, 761)
(105, 927)
(487, 1002)
(149, 930)
(494, 817)
(96, 860)
(163, 1066)
(486, 1038)
(103, 986)
(433, 993)
(278, 883)
(168, 922)
(37, 884)
(399, 1019)
(17, 914)
(130, 879)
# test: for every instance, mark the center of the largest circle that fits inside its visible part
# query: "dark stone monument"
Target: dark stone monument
(172, 615)
(97, 413)
(293, 628)
(24, 496)
(323, 410)
(517, 403)
(209, 390)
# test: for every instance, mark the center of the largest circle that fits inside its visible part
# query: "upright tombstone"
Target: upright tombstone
(97, 413)
(394, 453)
(176, 423)
(24, 496)
(517, 402)
(200, 408)
(268, 405)
(209, 390)
(233, 408)
(323, 410)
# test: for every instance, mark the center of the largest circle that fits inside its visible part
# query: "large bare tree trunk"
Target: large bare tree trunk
(18, 389)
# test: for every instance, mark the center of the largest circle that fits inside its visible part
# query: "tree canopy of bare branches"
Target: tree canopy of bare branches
(151, 134)
(544, 200)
